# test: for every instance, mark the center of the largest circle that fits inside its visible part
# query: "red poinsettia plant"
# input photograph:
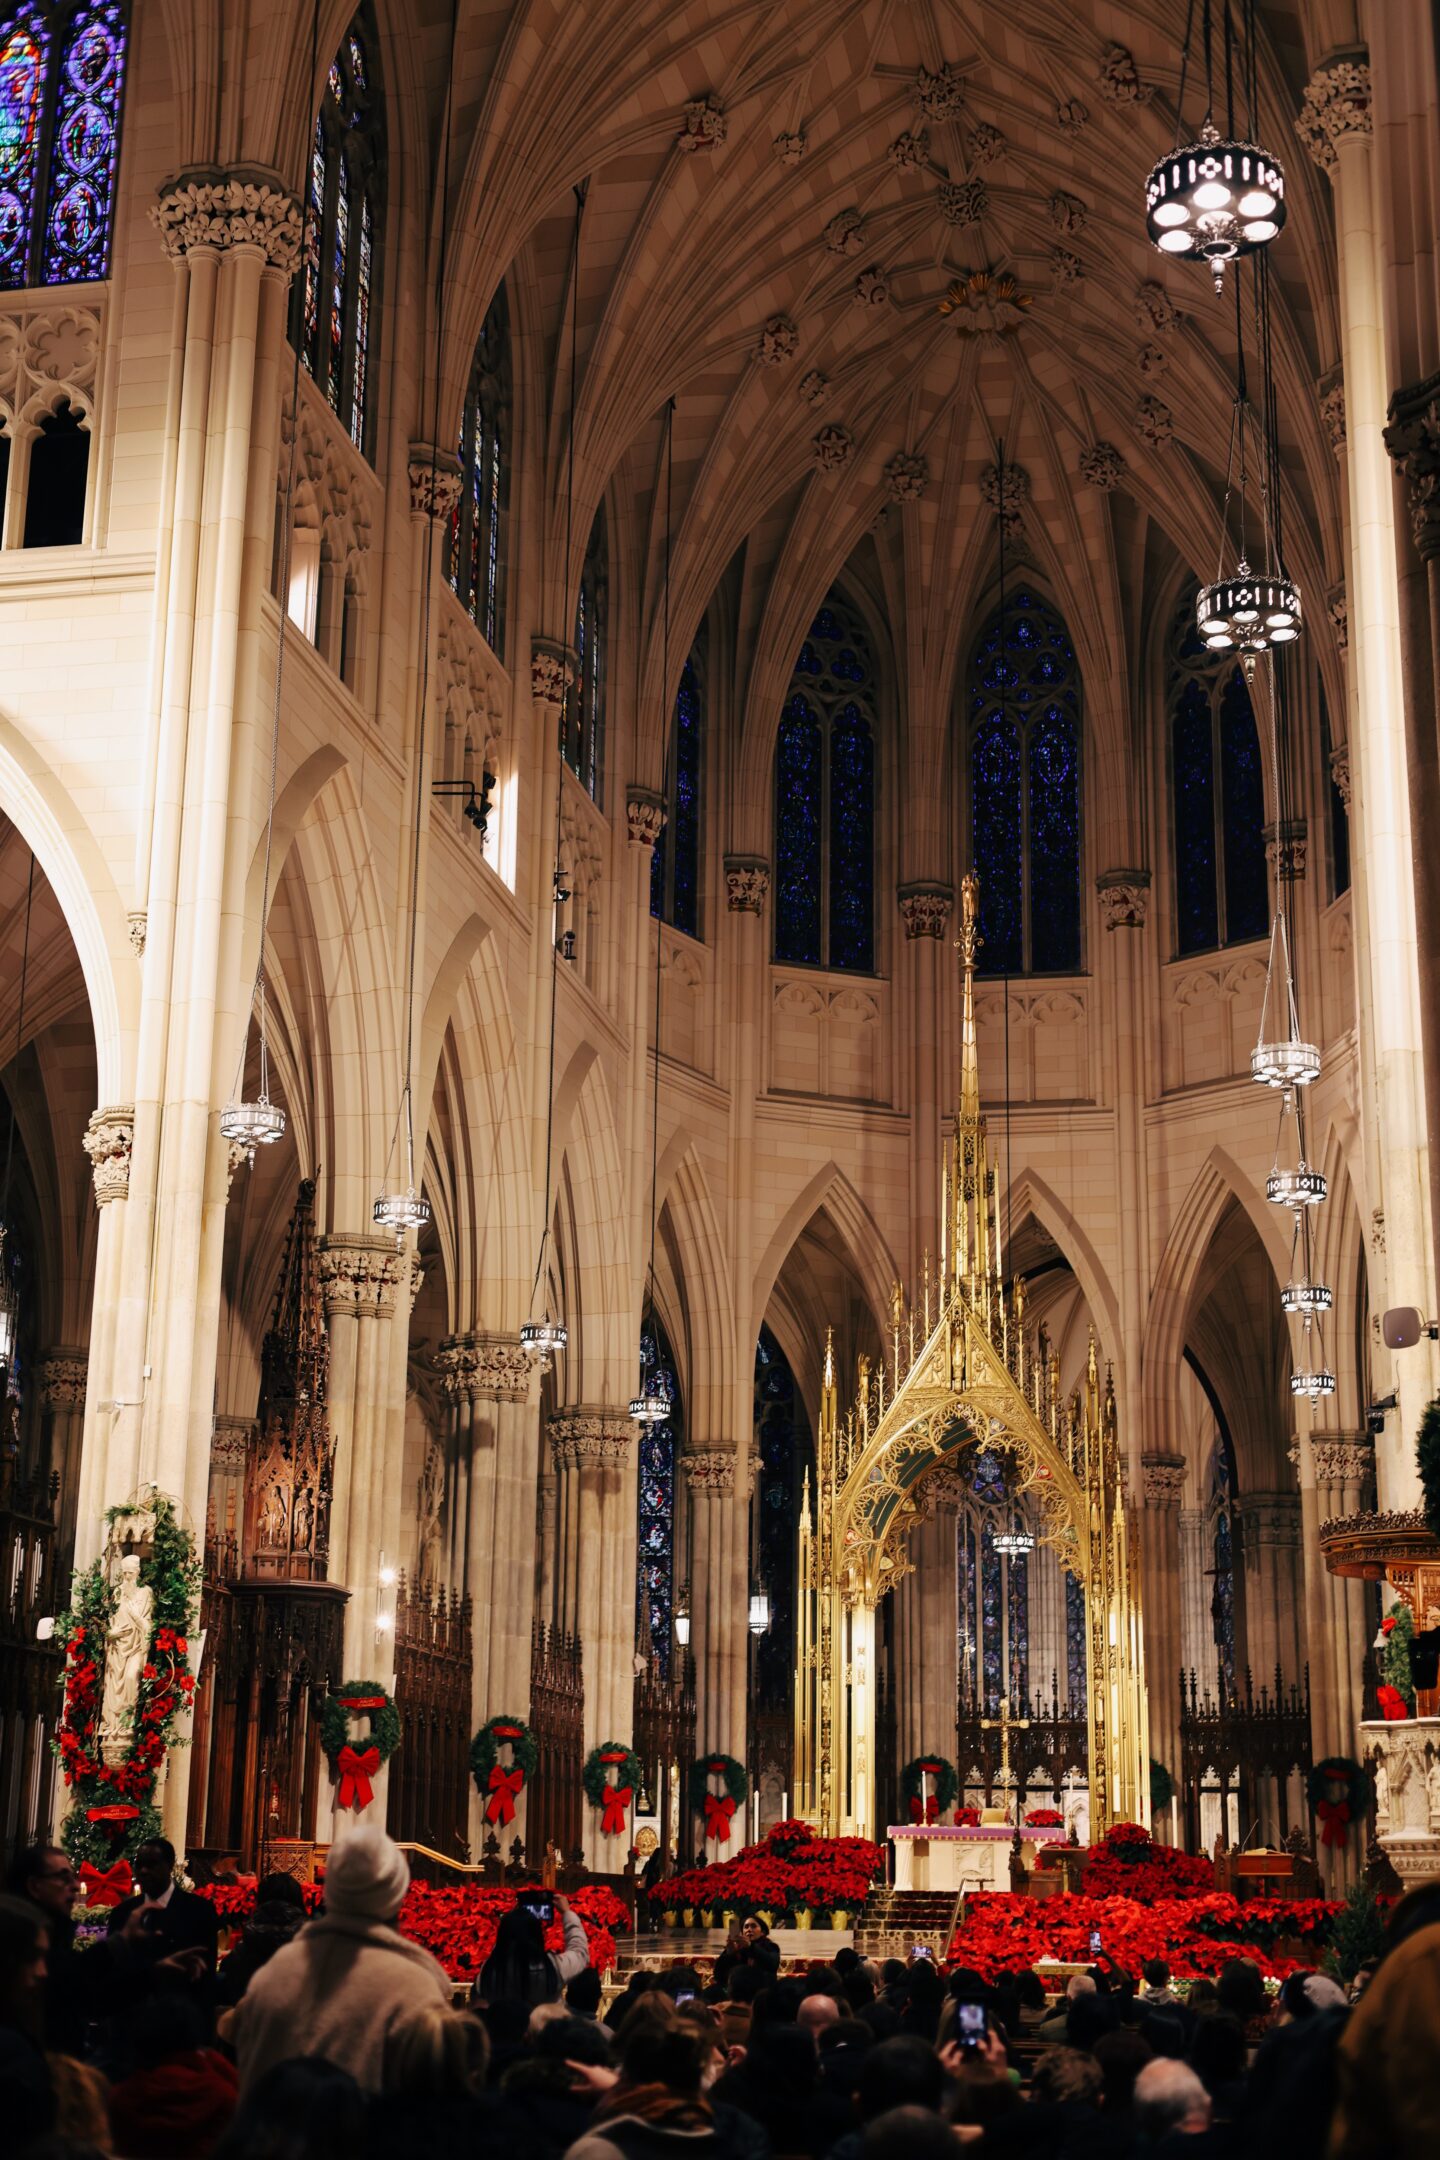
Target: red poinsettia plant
(791, 1870)
(1195, 1936)
(967, 1818)
(1128, 1863)
(1044, 1818)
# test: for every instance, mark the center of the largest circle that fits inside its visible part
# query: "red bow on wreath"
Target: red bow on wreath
(614, 1802)
(1392, 1704)
(356, 1766)
(719, 1807)
(504, 1792)
(105, 1886)
(930, 1812)
(1335, 1816)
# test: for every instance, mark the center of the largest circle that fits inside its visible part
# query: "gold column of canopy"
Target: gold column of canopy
(962, 1375)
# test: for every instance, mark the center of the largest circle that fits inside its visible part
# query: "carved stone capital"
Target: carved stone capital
(1331, 392)
(590, 1439)
(1342, 1462)
(747, 884)
(502, 1368)
(552, 671)
(1413, 440)
(704, 125)
(925, 909)
(434, 481)
(108, 1139)
(230, 1444)
(709, 1469)
(1286, 849)
(214, 206)
(62, 1380)
(360, 1275)
(1336, 104)
(1102, 466)
(907, 475)
(1340, 772)
(1162, 1479)
(455, 1361)
(1124, 898)
(645, 816)
(1270, 1518)
(136, 922)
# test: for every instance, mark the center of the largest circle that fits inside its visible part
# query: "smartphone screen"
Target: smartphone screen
(919, 1950)
(685, 1995)
(971, 2021)
(543, 1908)
(1094, 1942)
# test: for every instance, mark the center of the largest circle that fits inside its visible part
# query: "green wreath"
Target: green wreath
(612, 1769)
(1162, 1787)
(1338, 1770)
(352, 1764)
(495, 1785)
(947, 1784)
(737, 1787)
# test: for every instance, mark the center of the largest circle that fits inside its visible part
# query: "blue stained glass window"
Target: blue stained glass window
(1017, 1568)
(799, 767)
(1218, 792)
(1075, 1680)
(992, 1617)
(333, 303)
(62, 81)
(655, 1520)
(967, 1665)
(1024, 735)
(783, 1449)
(583, 725)
(477, 551)
(987, 1478)
(675, 862)
(825, 784)
(1339, 815)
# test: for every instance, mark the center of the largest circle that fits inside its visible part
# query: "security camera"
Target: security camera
(475, 814)
(1376, 1413)
(1403, 1326)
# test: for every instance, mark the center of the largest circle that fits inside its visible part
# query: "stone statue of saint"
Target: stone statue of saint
(301, 1519)
(127, 1639)
(272, 1518)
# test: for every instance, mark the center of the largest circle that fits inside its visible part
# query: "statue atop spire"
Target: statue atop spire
(969, 1204)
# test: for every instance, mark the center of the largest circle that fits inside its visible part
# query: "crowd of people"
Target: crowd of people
(333, 2037)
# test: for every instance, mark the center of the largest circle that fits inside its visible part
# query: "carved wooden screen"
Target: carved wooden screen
(29, 1669)
(429, 1772)
(557, 1719)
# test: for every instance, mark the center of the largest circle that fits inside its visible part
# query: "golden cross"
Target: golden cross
(1004, 1725)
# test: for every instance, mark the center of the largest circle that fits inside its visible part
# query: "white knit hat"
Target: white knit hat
(366, 1876)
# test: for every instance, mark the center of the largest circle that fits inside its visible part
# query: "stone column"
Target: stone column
(1336, 1478)
(925, 911)
(645, 820)
(1163, 1483)
(109, 1434)
(593, 1449)
(1197, 1640)
(360, 1278)
(718, 1603)
(1122, 983)
(454, 1361)
(500, 1561)
(1335, 124)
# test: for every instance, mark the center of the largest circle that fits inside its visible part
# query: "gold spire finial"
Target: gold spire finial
(829, 1357)
(967, 945)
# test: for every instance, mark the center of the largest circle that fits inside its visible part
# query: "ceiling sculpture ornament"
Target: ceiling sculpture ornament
(984, 304)
(963, 202)
(705, 125)
(779, 341)
(910, 149)
(790, 148)
(872, 288)
(834, 447)
(1102, 466)
(845, 233)
(1006, 490)
(1155, 422)
(814, 387)
(906, 476)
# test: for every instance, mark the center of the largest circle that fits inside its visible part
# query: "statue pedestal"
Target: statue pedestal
(1403, 1757)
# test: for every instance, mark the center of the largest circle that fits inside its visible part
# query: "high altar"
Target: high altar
(962, 1375)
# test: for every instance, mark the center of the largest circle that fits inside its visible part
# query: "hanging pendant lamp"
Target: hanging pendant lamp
(1213, 201)
(1280, 1059)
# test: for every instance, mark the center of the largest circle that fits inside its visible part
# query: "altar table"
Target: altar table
(944, 1856)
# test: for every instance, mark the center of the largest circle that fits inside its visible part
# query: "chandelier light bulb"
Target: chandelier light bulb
(253, 1124)
(1213, 201)
(759, 1615)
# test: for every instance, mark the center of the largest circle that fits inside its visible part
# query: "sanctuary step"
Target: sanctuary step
(893, 1921)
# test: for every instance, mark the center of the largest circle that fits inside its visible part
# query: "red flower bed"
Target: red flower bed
(457, 1925)
(1195, 1935)
(1129, 1864)
(787, 1872)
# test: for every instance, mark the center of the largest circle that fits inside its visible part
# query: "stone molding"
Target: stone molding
(62, 1379)
(1271, 1518)
(107, 1141)
(1162, 1479)
(1412, 437)
(360, 1274)
(709, 1469)
(586, 1438)
(644, 815)
(493, 1367)
(222, 207)
(434, 481)
(1336, 104)
(1341, 1462)
(1340, 772)
(1102, 466)
(552, 671)
(1124, 898)
(925, 908)
(747, 884)
(230, 1444)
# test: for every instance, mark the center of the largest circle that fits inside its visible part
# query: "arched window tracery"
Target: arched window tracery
(1220, 1508)
(1217, 794)
(994, 1591)
(659, 1452)
(1024, 766)
(675, 861)
(783, 1451)
(477, 566)
(62, 82)
(583, 743)
(825, 781)
(333, 302)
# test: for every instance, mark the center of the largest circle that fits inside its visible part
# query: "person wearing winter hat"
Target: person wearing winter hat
(349, 1980)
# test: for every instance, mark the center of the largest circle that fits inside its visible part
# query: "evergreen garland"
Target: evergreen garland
(1358, 1937)
(1395, 1658)
(1427, 1456)
(113, 1811)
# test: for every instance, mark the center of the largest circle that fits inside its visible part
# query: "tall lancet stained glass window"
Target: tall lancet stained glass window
(583, 725)
(659, 1452)
(1218, 793)
(477, 564)
(825, 781)
(1024, 765)
(675, 862)
(62, 80)
(333, 300)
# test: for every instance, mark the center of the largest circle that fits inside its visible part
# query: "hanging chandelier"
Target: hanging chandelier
(1297, 1187)
(544, 1337)
(1282, 1060)
(401, 1211)
(1214, 200)
(261, 1123)
(1249, 612)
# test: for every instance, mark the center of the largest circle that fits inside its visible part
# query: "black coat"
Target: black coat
(186, 1923)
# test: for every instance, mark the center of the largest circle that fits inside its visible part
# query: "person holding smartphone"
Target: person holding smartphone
(520, 1968)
